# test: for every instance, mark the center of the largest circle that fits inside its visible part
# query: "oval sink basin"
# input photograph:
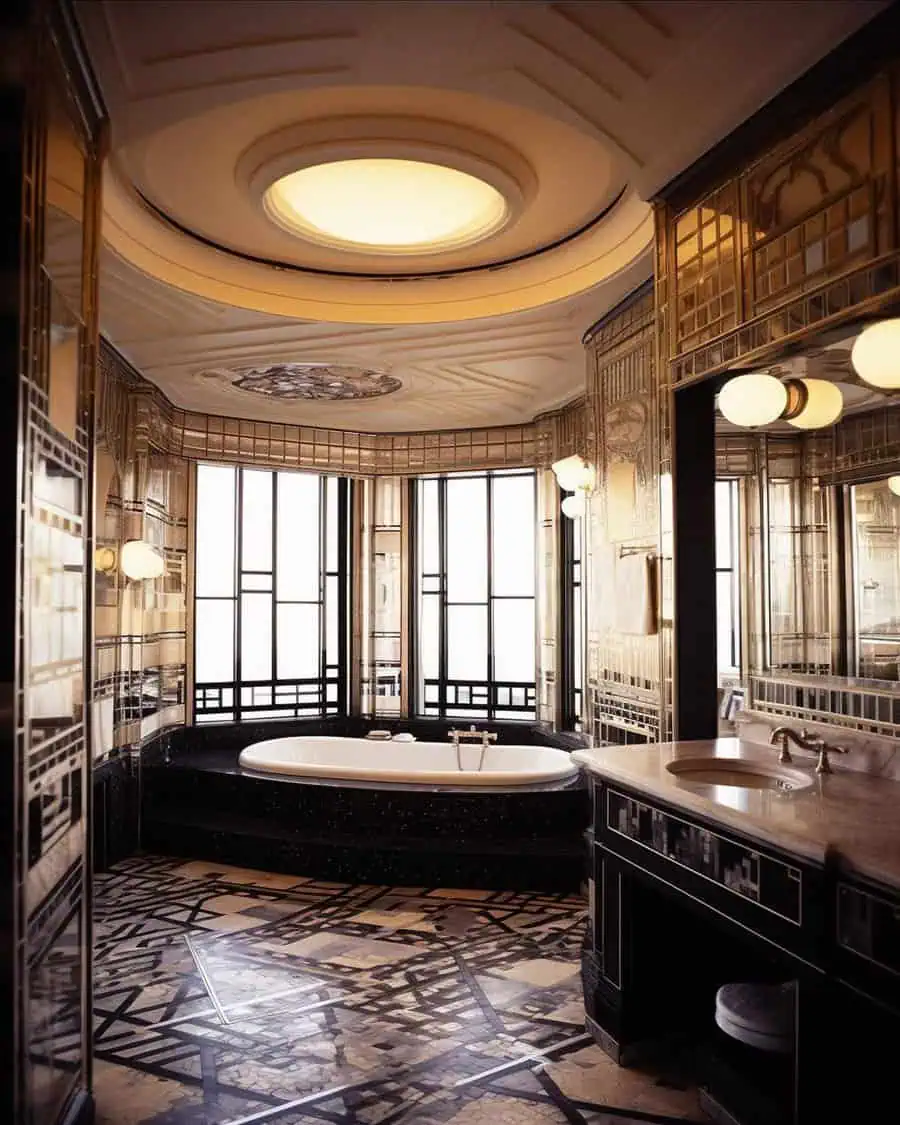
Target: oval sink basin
(739, 774)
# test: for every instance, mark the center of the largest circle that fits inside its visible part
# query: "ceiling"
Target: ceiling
(583, 109)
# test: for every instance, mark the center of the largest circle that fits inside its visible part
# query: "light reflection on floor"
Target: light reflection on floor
(231, 997)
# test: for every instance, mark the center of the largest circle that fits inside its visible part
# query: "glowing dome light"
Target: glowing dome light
(876, 354)
(574, 506)
(824, 405)
(386, 206)
(139, 559)
(893, 484)
(753, 400)
(573, 473)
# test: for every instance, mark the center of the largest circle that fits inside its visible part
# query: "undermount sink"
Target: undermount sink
(739, 773)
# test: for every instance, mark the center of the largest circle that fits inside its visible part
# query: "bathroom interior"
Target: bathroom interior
(453, 599)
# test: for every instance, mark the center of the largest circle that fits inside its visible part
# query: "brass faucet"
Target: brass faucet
(485, 736)
(812, 742)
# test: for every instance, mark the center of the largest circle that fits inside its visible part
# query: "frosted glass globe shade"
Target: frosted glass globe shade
(573, 473)
(876, 354)
(140, 560)
(753, 400)
(894, 485)
(574, 506)
(824, 405)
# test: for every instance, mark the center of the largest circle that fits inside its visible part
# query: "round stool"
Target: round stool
(760, 1015)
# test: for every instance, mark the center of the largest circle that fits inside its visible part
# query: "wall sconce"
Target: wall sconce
(876, 354)
(757, 399)
(105, 560)
(575, 474)
(893, 484)
(140, 560)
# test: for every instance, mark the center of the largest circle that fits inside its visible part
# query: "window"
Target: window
(571, 628)
(728, 601)
(270, 590)
(476, 605)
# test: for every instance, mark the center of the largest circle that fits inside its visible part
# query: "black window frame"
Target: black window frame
(494, 697)
(571, 610)
(289, 697)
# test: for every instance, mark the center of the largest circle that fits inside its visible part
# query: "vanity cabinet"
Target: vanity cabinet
(681, 905)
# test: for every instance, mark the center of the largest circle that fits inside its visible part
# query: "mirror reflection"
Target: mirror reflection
(808, 526)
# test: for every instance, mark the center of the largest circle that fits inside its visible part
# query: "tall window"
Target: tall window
(476, 578)
(270, 589)
(728, 602)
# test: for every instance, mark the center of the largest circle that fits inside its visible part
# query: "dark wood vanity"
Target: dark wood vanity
(683, 901)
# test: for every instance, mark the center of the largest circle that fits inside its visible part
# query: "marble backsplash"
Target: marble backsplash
(868, 753)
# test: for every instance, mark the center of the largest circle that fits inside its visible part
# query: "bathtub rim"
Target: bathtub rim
(434, 780)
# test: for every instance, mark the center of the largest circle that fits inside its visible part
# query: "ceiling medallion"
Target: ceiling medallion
(315, 381)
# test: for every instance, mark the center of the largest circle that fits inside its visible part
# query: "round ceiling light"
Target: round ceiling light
(876, 354)
(753, 400)
(824, 405)
(387, 206)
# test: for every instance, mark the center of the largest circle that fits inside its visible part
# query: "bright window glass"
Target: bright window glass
(476, 595)
(270, 594)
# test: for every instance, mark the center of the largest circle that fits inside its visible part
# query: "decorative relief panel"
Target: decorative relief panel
(313, 381)
(797, 239)
(626, 688)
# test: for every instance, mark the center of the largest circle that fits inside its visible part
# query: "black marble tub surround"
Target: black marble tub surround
(200, 802)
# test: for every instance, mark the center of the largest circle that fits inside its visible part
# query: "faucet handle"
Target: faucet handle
(822, 764)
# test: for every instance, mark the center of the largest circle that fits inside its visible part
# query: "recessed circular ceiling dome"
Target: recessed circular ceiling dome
(387, 205)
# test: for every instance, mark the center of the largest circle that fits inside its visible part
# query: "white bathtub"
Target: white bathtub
(408, 763)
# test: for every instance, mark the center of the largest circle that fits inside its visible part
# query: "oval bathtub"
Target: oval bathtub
(408, 763)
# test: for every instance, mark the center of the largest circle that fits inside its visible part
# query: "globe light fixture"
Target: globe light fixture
(575, 506)
(752, 400)
(822, 405)
(876, 354)
(893, 484)
(140, 560)
(573, 473)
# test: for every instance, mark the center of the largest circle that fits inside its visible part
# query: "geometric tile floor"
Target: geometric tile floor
(232, 997)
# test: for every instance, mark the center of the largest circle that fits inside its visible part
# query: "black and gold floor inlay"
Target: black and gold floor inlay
(233, 997)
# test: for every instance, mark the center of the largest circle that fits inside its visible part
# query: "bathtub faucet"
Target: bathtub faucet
(485, 736)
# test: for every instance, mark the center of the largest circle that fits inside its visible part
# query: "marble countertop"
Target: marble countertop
(854, 815)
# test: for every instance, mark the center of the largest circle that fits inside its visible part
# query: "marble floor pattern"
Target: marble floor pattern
(232, 997)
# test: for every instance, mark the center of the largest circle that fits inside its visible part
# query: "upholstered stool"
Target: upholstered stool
(760, 1015)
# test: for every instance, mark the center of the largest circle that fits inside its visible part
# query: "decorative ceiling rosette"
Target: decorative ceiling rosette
(313, 381)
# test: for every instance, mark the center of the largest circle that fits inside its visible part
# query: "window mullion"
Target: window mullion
(274, 602)
(489, 485)
(238, 603)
